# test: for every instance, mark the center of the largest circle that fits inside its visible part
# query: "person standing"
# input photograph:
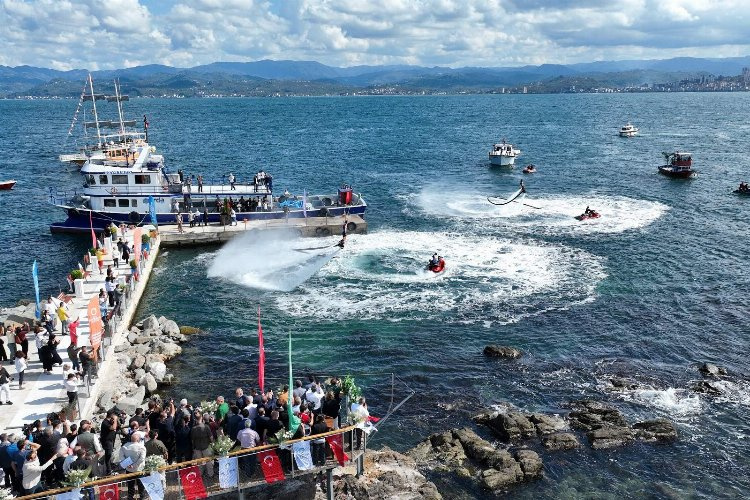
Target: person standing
(62, 314)
(100, 260)
(319, 445)
(116, 257)
(135, 452)
(191, 218)
(200, 183)
(247, 438)
(3, 354)
(10, 339)
(21, 366)
(71, 387)
(201, 438)
(109, 286)
(22, 341)
(178, 218)
(32, 473)
(231, 181)
(5, 379)
(109, 428)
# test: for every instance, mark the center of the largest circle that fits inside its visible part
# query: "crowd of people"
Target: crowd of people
(40, 457)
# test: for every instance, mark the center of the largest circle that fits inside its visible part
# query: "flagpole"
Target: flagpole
(261, 357)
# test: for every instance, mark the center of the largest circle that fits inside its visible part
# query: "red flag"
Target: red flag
(261, 357)
(109, 492)
(271, 466)
(337, 447)
(94, 242)
(192, 483)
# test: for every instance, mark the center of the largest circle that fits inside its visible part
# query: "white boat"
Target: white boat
(503, 154)
(628, 130)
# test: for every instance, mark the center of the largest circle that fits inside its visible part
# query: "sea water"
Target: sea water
(655, 286)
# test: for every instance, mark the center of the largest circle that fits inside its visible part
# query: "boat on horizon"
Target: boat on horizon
(628, 130)
(7, 185)
(503, 154)
(679, 165)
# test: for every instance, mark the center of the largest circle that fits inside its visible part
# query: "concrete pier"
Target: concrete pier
(216, 234)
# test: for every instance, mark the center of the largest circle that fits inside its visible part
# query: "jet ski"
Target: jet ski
(439, 268)
(529, 169)
(591, 214)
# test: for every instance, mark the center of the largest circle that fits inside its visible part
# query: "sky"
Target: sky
(110, 34)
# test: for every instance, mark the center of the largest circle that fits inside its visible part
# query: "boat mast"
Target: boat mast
(96, 118)
(119, 109)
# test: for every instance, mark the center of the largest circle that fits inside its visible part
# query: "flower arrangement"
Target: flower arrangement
(76, 274)
(92, 251)
(208, 407)
(6, 494)
(112, 230)
(154, 462)
(145, 238)
(222, 445)
(133, 264)
(350, 388)
(77, 477)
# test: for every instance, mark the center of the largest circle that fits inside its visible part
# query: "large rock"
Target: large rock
(547, 424)
(121, 348)
(149, 382)
(139, 374)
(105, 399)
(530, 463)
(499, 351)
(170, 328)
(711, 370)
(511, 426)
(189, 330)
(482, 451)
(150, 323)
(659, 429)
(560, 441)
(167, 350)
(138, 361)
(610, 437)
(158, 370)
(132, 336)
(588, 415)
(140, 349)
(496, 480)
(708, 387)
(130, 403)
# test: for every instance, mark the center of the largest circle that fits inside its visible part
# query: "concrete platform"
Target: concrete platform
(214, 234)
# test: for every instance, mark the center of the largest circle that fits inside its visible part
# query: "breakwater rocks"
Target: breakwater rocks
(141, 363)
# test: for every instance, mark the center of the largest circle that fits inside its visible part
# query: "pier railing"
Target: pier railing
(250, 470)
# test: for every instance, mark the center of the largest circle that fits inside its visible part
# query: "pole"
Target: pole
(96, 117)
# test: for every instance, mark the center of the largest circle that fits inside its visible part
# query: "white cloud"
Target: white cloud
(120, 33)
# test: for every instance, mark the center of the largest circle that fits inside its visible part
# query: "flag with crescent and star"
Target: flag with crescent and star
(336, 443)
(271, 465)
(192, 482)
(109, 492)
(69, 495)
(228, 473)
(153, 486)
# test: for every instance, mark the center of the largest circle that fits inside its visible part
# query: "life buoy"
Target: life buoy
(134, 217)
(324, 231)
(318, 230)
(113, 190)
(351, 227)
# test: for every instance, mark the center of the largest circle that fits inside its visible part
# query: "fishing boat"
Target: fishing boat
(503, 154)
(7, 185)
(679, 165)
(628, 130)
(140, 190)
(112, 140)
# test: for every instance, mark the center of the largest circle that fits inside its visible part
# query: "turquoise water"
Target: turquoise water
(655, 286)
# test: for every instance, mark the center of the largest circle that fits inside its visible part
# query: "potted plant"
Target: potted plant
(113, 231)
(146, 242)
(76, 274)
(92, 252)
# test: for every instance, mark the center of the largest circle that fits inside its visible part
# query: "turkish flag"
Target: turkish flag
(192, 483)
(109, 492)
(337, 446)
(271, 465)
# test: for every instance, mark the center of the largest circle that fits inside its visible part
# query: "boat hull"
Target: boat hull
(502, 161)
(7, 185)
(78, 219)
(629, 134)
(676, 174)
(741, 193)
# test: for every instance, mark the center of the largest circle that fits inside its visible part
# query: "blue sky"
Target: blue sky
(68, 34)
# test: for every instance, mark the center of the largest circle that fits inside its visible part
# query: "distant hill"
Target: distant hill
(268, 77)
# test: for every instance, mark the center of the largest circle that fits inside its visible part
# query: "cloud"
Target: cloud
(119, 33)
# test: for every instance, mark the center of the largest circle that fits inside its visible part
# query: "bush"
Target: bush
(92, 251)
(133, 264)
(145, 238)
(76, 274)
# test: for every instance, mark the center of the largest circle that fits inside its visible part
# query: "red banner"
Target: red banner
(95, 322)
(261, 357)
(109, 492)
(271, 465)
(137, 232)
(337, 447)
(192, 483)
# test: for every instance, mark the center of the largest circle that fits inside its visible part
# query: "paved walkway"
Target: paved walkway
(43, 393)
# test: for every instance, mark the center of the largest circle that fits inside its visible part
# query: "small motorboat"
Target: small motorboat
(628, 130)
(529, 169)
(679, 165)
(503, 154)
(743, 190)
(439, 268)
(7, 185)
(591, 214)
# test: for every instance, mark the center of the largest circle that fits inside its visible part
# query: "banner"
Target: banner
(228, 474)
(153, 485)
(192, 483)
(95, 322)
(336, 443)
(137, 244)
(261, 357)
(302, 455)
(152, 210)
(109, 492)
(35, 275)
(94, 242)
(294, 421)
(70, 495)
(271, 466)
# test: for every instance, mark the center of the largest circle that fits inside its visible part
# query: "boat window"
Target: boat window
(133, 203)
(102, 179)
(109, 202)
(119, 179)
(92, 180)
(122, 203)
(143, 179)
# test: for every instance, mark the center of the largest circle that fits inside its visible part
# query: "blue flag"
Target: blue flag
(152, 210)
(35, 275)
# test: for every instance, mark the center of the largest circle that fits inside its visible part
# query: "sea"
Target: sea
(656, 286)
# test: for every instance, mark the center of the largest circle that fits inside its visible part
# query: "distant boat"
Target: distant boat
(7, 185)
(743, 190)
(679, 165)
(628, 130)
(529, 169)
(503, 154)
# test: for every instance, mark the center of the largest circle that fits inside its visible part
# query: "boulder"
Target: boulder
(170, 327)
(512, 426)
(132, 336)
(130, 403)
(547, 424)
(495, 479)
(153, 332)
(158, 370)
(499, 351)
(121, 347)
(149, 382)
(659, 429)
(588, 415)
(610, 436)
(138, 361)
(189, 330)
(142, 339)
(162, 320)
(167, 350)
(707, 387)
(530, 463)
(140, 349)
(482, 451)
(623, 383)
(178, 337)
(105, 399)
(150, 323)
(711, 370)
(560, 441)
(168, 379)
(139, 374)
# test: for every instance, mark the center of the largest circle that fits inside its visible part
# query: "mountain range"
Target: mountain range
(309, 77)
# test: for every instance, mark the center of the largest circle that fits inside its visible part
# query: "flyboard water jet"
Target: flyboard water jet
(517, 197)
